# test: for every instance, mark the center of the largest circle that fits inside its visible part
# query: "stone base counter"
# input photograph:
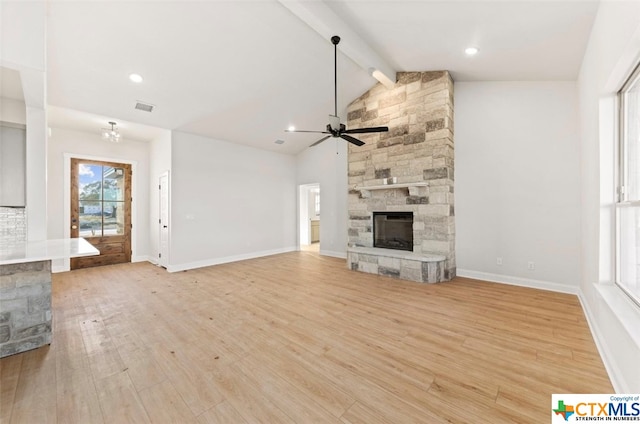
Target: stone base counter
(25, 290)
(25, 306)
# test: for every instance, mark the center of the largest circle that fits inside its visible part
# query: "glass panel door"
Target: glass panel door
(101, 210)
(101, 203)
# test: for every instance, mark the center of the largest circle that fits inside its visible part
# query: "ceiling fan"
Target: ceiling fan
(334, 127)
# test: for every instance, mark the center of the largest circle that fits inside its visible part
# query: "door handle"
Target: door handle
(164, 226)
(74, 227)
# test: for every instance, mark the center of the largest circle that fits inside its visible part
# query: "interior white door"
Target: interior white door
(163, 240)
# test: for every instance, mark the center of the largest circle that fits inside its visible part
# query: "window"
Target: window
(628, 204)
(100, 200)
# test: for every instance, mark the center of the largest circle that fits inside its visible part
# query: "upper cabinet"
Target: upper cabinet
(13, 139)
(12, 165)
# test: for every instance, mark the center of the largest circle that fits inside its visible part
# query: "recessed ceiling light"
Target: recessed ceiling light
(470, 51)
(135, 78)
(291, 128)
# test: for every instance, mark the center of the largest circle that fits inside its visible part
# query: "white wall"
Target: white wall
(82, 144)
(23, 48)
(159, 162)
(229, 202)
(36, 170)
(326, 164)
(517, 182)
(613, 50)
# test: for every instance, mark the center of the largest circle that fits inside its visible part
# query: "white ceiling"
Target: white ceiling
(243, 71)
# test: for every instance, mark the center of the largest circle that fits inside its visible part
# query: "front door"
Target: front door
(101, 210)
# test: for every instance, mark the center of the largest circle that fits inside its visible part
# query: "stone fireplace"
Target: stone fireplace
(407, 171)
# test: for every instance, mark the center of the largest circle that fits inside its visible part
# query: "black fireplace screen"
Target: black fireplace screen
(393, 230)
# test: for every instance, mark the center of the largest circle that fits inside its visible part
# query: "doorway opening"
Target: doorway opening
(309, 217)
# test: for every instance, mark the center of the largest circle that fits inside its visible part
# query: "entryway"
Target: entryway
(309, 217)
(101, 210)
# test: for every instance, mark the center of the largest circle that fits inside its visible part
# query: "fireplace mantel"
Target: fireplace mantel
(391, 186)
(414, 188)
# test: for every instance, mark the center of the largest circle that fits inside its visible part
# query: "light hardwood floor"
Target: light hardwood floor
(298, 338)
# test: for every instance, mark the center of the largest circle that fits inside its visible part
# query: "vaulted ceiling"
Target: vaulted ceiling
(243, 71)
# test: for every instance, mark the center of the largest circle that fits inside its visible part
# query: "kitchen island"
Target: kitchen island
(25, 290)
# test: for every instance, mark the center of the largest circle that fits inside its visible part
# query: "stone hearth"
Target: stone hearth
(409, 168)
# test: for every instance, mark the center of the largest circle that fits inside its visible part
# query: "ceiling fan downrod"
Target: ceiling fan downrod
(335, 40)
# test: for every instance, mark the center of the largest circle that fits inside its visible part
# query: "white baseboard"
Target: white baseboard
(517, 281)
(227, 259)
(141, 258)
(59, 268)
(616, 377)
(627, 315)
(147, 258)
(341, 255)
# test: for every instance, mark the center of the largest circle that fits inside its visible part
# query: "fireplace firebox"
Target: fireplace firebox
(393, 230)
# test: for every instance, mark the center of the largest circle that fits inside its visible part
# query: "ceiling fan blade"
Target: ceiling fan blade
(366, 130)
(320, 141)
(352, 140)
(303, 131)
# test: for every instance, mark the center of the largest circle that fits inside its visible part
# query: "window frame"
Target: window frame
(622, 191)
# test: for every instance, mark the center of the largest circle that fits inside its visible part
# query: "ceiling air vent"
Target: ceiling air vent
(144, 106)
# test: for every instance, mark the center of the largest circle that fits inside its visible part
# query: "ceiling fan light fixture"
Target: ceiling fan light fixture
(382, 78)
(111, 134)
(335, 128)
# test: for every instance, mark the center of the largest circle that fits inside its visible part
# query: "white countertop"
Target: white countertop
(32, 251)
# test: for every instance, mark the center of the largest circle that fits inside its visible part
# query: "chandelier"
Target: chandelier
(112, 134)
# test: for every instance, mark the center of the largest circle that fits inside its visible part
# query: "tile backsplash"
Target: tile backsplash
(13, 225)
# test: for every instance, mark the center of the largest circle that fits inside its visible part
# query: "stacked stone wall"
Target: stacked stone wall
(418, 148)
